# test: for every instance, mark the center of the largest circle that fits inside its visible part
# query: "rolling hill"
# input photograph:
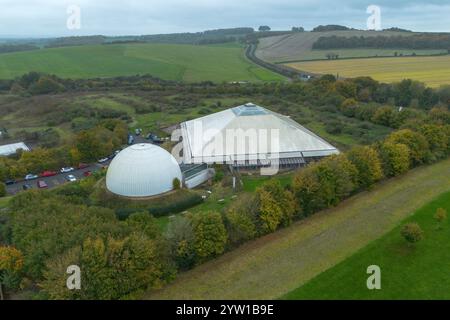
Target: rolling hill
(191, 63)
(298, 46)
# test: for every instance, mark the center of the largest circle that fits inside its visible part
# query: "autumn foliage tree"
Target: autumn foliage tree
(111, 269)
(241, 219)
(368, 164)
(395, 158)
(416, 143)
(210, 235)
(276, 206)
(337, 178)
(11, 264)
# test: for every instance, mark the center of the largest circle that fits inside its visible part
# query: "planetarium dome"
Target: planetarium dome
(142, 170)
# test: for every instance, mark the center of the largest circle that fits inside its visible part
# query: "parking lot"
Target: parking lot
(55, 181)
(61, 178)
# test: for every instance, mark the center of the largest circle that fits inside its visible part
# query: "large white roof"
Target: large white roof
(142, 170)
(9, 149)
(249, 132)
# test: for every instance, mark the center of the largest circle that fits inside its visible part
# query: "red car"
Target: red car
(83, 166)
(48, 174)
(42, 184)
(87, 174)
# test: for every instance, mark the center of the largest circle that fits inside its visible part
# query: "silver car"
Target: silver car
(31, 176)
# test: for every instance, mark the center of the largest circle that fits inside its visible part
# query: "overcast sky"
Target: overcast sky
(48, 18)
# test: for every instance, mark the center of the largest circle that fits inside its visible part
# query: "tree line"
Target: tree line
(414, 41)
(6, 48)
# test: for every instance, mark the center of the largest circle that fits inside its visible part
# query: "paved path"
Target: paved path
(273, 265)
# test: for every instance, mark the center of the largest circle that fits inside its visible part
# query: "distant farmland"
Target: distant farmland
(167, 61)
(298, 46)
(434, 71)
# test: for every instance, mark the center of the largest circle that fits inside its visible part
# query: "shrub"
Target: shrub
(180, 236)
(176, 184)
(334, 127)
(159, 210)
(441, 215)
(2, 189)
(412, 232)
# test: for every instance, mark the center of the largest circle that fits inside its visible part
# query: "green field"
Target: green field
(407, 272)
(433, 71)
(167, 61)
(274, 265)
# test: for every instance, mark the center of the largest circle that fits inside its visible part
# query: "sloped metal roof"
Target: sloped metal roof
(9, 149)
(249, 132)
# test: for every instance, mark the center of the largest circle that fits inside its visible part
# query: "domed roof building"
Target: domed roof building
(142, 170)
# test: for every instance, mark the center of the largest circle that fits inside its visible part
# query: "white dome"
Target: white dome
(142, 170)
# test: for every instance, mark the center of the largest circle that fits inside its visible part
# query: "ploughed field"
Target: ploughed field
(298, 46)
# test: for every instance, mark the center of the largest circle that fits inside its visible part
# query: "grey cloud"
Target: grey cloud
(48, 17)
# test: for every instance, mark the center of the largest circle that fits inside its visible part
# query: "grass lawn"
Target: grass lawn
(276, 264)
(4, 202)
(251, 183)
(407, 272)
(163, 222)
(434, 71)
(167, 61)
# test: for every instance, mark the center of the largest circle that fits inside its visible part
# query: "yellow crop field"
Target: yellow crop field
(434, 71)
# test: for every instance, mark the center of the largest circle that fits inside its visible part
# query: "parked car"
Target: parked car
(48, 174)
(71, 178)
(130, 139)
(87, 174)
(31, 176)
(103, 160)
(138, 132)
(10, 182)
(83, 166)
(27, 187)
(42, 184)
(67, 169)
(154, 138)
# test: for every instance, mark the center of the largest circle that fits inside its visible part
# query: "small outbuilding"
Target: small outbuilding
(9, 149)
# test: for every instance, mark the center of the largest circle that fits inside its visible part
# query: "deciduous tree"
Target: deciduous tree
(368, 163)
